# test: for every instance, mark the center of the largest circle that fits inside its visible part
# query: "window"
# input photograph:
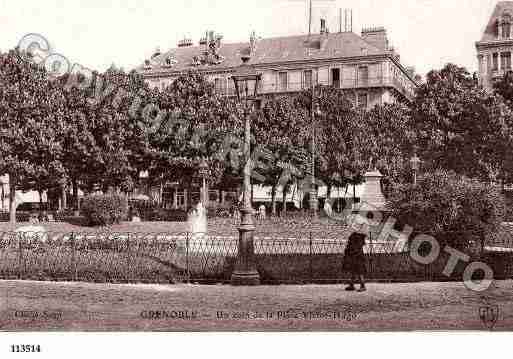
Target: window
(506, 61)
(307, 79)
(282, 81)
(482, 68)
(220, 86)
(335, 78)
(351, 97)
(506, 26)
(362, 100)
(495, 62)
(230, 87)
(363, 75)
(506, 30)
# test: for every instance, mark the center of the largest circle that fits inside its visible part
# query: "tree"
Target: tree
(281, 130)
(504, 87)
(29, 151)
(452, 208)
(390, 141)
(194, 123)
(343, 140)
(460, 126)
(122, 144)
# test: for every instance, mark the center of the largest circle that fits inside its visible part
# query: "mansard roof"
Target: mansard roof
(272, 50)
(502, 7)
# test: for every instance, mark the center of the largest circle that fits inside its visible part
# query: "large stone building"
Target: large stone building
(496, 45)
(366, 66)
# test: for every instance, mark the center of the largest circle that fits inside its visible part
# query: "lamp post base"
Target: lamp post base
(245, 278)
(245, 272)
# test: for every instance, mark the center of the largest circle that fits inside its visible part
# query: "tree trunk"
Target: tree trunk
(12, 201)
(64, 198)
(328, 191)
(75, 194)
(189, 196)
(161, 193)
(273, 200)
(354, 195)
(284, 200)
(294, 193)
(40, 193)
(3, 197)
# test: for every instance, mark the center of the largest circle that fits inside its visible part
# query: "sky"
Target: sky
(97, 33)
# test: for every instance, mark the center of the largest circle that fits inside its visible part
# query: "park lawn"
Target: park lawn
(143, 227)
(216, 227)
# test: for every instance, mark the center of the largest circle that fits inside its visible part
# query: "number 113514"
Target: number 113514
(25, 348)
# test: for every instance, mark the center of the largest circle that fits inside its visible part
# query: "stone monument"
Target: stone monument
(372, 197)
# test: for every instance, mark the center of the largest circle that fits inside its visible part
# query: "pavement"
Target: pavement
(59, 306)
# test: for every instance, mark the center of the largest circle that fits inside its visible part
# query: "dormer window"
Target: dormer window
(170, 61)
(504, 26)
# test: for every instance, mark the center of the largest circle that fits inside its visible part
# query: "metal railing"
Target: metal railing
(302, 256)
(344, 83)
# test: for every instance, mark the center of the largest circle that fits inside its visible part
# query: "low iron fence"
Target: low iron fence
(184, 257)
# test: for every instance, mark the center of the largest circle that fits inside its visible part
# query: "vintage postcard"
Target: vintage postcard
(255, 166)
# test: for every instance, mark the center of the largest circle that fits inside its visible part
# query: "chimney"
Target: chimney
(253, 42)
(219, 38)
(185, 42)
(323, 26)
(376, 36)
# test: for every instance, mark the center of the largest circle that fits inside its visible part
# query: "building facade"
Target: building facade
(496, 45)
(366, 66)
(21, 197)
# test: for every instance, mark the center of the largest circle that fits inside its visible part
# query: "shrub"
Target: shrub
(458, 211)
(104, 209)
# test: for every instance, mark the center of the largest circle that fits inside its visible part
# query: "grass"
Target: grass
(216, 227)
(148, 258)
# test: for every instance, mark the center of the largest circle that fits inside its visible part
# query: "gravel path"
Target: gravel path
(33, 306)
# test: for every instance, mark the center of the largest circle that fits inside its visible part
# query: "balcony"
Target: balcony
(346, 84)
(496, 74)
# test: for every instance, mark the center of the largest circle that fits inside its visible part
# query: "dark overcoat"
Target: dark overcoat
(354, 258)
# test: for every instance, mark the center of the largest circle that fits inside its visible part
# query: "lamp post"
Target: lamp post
(2, 197)
(204, 172)
(246, 82)
(415, 165)
(314, 203)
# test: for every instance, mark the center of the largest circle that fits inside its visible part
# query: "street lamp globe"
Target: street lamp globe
(203, 170)
(318, 111)
(246, 81)
(415, 165)
(415, 162)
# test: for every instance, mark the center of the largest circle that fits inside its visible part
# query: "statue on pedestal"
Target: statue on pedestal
(197, 220)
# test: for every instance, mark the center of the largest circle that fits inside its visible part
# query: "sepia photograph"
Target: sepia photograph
(274, 166)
